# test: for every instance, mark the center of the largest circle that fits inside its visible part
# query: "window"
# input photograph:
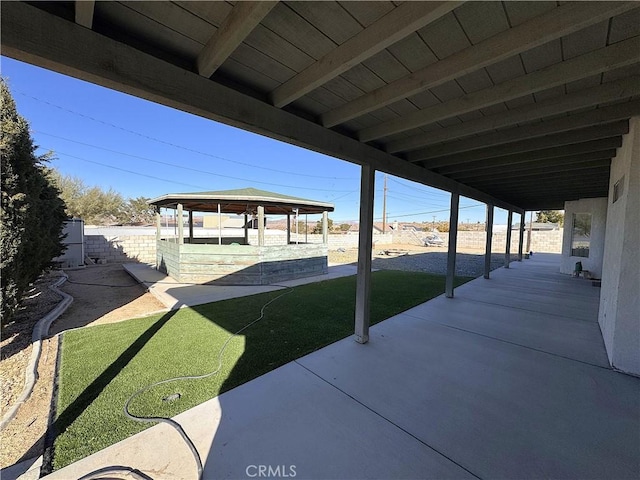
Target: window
(581, 235)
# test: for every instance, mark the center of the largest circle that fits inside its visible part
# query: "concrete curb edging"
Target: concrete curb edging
(40, 330)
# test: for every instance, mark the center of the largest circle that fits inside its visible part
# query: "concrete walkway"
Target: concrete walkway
(173, 294)
(507, 380)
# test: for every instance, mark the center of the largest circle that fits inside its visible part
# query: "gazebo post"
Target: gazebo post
(190, 226)
(158, 224)
(325, 227)
(288, 228)
(158, 232)
(180, 222)
(260, 225)
(246, 229)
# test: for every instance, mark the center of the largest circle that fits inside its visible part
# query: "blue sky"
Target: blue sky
(139, 148)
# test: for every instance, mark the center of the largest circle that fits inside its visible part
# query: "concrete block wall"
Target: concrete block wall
(541, 241)
(122, 248)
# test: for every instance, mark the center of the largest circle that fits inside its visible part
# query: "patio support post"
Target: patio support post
(246, 229)
(180, 221)
(363, 280)
(453, 238)
(219, 225)
(190, 226)
(325, 227)
(158, 232)
(288, 228)
(489, 239)
(158, 225)
(521, 240)
(507, 251)
(260, 225)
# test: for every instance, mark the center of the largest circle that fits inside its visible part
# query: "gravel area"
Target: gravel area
(420, 259)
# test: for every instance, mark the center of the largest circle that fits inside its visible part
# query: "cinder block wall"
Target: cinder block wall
(123, 248)
(541, 241)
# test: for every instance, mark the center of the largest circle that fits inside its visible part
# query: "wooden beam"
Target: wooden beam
(542, 181)
(394, 26)
(561, 139)
(590, 97)
(37, 37)
(363, 279)
(244, 17)
(84, 12)
(572, 122)
(618, 55)
(549, 26)
(550, 167)
(508, 160)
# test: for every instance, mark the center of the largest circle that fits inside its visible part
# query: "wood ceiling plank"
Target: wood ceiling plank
(445, 36)
(328, 17)
(595, 147)
(212, 12)
(567, 138)
(538, 31)
(625, 26)
(621, 54)
(394, 26)
(568, 123)
(296, 30)
(549, 167)
(151, 35)
(367, 13)
(620, 89)
(481, 20)
(244, 17)
(176, 18)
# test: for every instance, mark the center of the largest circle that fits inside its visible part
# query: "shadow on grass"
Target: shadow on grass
(95, 388)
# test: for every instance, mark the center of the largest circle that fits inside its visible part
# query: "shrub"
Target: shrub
(32, 212)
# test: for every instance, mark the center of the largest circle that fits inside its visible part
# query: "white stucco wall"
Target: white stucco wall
(597, 207)
(619, 315)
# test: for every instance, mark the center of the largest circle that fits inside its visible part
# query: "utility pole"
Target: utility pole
(384, 206)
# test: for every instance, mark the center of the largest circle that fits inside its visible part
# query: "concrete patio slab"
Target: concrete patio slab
(497, 409)
(483, 384)
(174, 294)
(288, 419)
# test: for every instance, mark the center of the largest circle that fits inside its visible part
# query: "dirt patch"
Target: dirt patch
(16, 338)
(24, 437)
(102, 294)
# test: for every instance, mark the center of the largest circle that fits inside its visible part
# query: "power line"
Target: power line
(198, 171)
(428, 213)
(169, 143)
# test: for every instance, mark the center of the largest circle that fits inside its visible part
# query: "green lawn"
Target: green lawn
(102, 366)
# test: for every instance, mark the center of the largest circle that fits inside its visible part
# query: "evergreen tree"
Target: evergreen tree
(32, 212)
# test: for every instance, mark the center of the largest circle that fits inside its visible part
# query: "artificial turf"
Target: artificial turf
(101, 366)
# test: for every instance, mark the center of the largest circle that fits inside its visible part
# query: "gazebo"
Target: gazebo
(235, 260)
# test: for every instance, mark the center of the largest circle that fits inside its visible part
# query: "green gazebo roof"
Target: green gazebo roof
(241, 200)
